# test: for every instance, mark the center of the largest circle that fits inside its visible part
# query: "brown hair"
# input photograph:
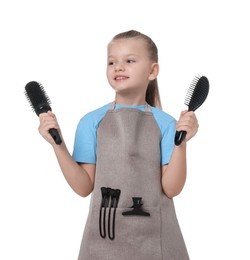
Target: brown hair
(152, 93)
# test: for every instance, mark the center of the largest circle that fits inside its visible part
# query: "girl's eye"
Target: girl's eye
(130, 61)
(111, 63)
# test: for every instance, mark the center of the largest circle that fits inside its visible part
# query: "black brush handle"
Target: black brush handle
(179, 137)
(55, 135)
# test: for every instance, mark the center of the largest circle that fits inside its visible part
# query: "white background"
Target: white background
(62, 44)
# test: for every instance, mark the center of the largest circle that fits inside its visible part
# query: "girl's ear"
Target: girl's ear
(154, 71)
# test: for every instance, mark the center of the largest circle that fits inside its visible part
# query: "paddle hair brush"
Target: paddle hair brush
(40, 103)
(196, 95)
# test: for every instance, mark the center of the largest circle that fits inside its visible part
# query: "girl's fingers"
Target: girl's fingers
(189, 123)
(47, 122)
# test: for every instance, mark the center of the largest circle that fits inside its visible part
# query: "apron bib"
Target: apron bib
(130, 217)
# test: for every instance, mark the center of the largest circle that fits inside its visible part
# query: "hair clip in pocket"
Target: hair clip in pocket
(102, 215)
(137, 208)
(115, 194)
(110, 198)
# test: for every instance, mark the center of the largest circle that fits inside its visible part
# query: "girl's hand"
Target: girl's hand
(48, 121)
(189, 123)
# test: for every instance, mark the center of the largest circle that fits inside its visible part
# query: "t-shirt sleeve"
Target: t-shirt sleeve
(84, 150)
(85, 141)
(167, 142)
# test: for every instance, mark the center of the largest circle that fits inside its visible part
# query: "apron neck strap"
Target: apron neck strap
(112, 106)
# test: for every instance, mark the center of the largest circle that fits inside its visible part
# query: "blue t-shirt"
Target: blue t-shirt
(85, 138)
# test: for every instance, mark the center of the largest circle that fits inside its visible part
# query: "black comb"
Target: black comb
(196, 95)
(40, 103)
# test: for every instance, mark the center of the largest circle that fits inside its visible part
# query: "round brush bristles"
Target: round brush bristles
(37, 97)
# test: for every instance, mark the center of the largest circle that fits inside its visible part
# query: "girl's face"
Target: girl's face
(129, 68)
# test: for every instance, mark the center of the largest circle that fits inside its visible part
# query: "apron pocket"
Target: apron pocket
(136, 237)
(139, 236)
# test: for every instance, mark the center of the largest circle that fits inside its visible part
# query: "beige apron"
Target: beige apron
(128, 161)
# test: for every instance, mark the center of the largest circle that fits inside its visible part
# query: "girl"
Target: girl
(124, 154)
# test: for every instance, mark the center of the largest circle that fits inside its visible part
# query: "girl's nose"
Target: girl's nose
(119, 66)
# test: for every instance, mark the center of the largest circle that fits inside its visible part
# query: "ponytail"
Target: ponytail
(153, 95)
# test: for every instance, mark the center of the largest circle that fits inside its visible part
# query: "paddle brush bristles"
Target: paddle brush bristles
(197, 93)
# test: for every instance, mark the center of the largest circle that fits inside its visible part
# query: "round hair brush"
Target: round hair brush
(40, 103)
(196, 95)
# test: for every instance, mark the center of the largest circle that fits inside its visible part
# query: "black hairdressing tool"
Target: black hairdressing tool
(196, 95)
(115, 195)
(137, 208)
(110, 198)
(40, 103)
(104, 204)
